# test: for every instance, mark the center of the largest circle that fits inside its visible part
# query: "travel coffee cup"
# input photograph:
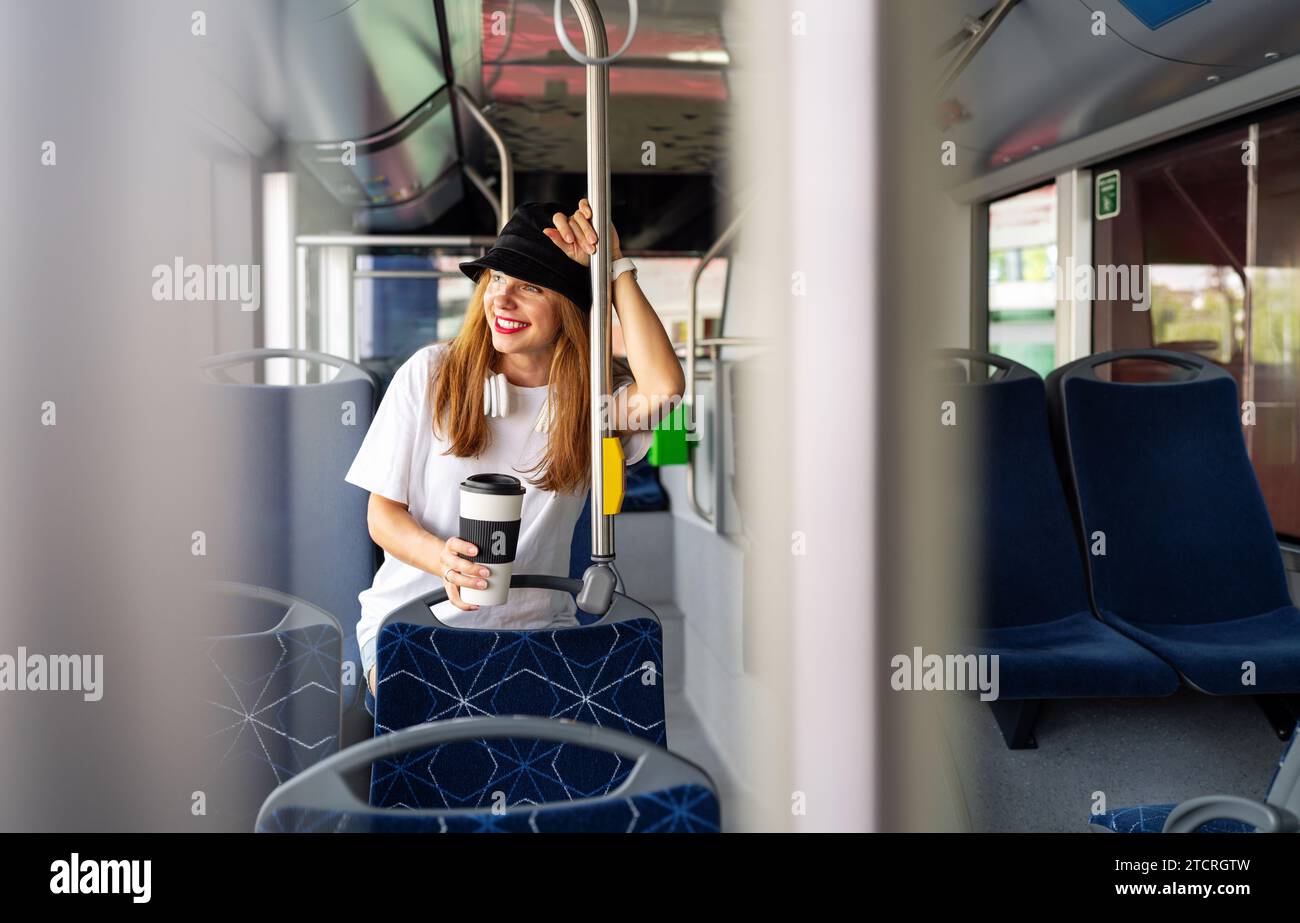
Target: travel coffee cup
(490, 505)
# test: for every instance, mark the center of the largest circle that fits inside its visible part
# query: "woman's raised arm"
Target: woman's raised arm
(659, 379)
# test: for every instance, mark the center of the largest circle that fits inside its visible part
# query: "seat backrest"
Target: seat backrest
(273, 702)
(609, 673)
(288, 520)
(1160, 469)
(659, 792)
(1030, 568)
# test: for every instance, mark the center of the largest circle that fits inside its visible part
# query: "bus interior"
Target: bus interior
(982, 513)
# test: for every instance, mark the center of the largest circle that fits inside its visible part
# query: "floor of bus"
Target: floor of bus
(686, 734)
(1133, 751)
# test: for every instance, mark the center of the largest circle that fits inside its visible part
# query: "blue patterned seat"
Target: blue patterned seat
(1283, 796)
(287, 519)
(658, 792)
(1151, 818)
(272, 694)
(607, 674)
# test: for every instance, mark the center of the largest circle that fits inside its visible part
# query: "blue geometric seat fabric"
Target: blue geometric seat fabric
(1151, 819)
(681, 809)
(1191, 568)
(273, 711)
(286, 519)
(608, 675)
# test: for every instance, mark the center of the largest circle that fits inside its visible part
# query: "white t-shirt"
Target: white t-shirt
(402, 459)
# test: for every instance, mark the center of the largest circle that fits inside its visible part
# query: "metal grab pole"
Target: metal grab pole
(691, 348)
(593, 32)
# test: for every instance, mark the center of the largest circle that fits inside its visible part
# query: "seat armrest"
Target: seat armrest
(1265, 818)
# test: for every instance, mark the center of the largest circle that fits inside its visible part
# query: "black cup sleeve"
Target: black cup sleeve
(484, 534)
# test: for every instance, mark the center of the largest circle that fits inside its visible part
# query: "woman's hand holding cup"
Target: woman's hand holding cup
(457, 572)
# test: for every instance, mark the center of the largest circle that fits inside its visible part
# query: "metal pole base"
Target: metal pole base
(597, 593)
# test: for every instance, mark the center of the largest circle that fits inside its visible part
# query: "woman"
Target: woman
(431, 431)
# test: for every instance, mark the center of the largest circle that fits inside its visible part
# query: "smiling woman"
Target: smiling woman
(524, 327)
(515, 305)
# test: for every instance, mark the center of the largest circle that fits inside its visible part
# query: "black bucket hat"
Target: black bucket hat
(523, 251)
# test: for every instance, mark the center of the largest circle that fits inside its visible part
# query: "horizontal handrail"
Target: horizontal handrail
(393, 240)
(407, 274)
(711, 343)
(322, 787)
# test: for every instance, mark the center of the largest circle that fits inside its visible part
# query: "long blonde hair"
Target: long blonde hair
(457, 392)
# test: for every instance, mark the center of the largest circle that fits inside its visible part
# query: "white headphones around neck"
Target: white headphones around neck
(496, 401)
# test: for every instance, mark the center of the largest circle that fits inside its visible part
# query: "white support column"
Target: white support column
(335, 304)
(833, 200)
(1073, 251)
(279, 221)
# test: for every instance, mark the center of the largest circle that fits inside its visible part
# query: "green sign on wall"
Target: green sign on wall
(1107, 195)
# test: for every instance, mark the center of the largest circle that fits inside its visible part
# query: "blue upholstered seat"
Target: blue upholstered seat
(272, 697)
(1032, 595)
(287, 520)
(607, 674)
(1073, 657)
(1191, 568)
(1151, 819)
(656, 792)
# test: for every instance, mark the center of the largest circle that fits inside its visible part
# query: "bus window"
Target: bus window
(1022, 272)
(398, 314)
(1212, 220)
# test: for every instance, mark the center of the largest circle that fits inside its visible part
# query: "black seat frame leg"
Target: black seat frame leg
(1282, 711)
(1016, 720)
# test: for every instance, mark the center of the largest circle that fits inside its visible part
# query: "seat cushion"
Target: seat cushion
(1150, 818)
(1210, 654)
(1073, 657)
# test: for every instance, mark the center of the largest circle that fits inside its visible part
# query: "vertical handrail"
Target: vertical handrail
(1248, 295)
(482, 186)
(506, 205)
(593, 33)
(692, 322)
